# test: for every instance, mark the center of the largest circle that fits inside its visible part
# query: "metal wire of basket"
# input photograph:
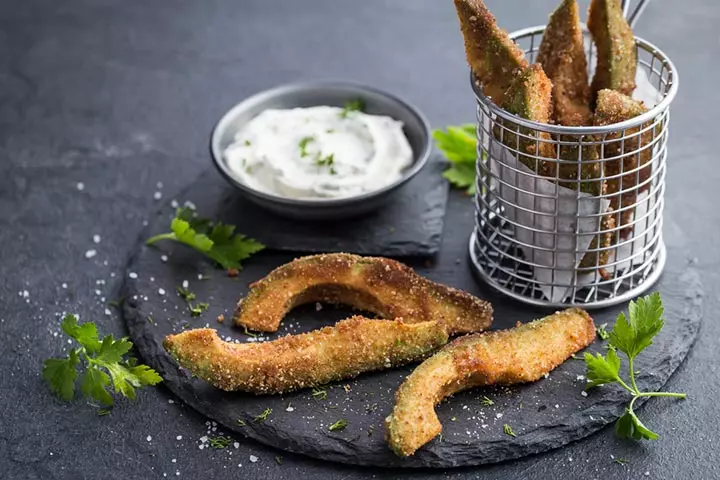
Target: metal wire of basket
(526, 244)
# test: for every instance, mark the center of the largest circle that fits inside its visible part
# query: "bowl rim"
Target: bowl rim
(216, 153)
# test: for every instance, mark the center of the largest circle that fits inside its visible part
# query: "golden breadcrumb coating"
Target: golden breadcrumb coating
(518, 355)
(379, 285)
(493, 57)
(616, 49)
(529, 97)
(614, 107)
(344, 350)
(562, 56)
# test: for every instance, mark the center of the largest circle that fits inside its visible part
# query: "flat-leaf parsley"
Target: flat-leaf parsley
(630, 336)
(217, 241)
(104, 363)
(459, 145)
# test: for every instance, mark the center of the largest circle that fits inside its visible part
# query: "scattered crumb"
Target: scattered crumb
(232, 272)
(221, 318)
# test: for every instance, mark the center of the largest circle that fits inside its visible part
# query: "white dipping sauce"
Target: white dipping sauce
(319, 152)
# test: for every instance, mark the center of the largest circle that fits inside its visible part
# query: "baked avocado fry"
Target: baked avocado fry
(529, 97)
(518, 355)
(379, 285)
(344, 350)
(614, 107)
(493, 57)
(592, 182)
(616, 49)
(562, 56)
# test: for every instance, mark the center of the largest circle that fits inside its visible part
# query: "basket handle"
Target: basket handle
(633, 17)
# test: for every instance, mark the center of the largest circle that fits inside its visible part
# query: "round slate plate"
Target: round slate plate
(544, 415)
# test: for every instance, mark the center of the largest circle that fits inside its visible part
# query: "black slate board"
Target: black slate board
(410, 224)
(544, 415)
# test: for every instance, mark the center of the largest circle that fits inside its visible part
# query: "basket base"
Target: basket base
(493, 269)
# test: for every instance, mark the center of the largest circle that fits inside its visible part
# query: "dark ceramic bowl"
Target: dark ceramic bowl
(311, 94)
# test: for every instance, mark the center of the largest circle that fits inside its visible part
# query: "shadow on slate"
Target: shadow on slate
(411, 224)
(544, 415)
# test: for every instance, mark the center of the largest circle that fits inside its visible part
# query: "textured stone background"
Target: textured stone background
(121, 95)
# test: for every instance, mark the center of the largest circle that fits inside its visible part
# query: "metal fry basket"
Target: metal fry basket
(581, 226)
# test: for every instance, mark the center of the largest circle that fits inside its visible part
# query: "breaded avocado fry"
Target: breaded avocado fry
(616, 49)
(562, 56)
(493, 57)
(344, 350)
(385, 287)
(614, 107)
(529, 97)
(518, 355)
(591, 182)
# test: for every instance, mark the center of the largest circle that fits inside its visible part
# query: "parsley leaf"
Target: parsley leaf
(61, 374)
(602, 332)
(219, 442)
(186, 294)
(93, 385)
(263, 416)
(459, 145)
(319, 393)
(602, 370)
(507, 429)
(630, 335)
(461, 176)
(303, 143)
(197, 309)
(357, 105)
(217, 241)
(339, 425)
(86, 335)
(104, 365)
(630, 426)
(326, 160)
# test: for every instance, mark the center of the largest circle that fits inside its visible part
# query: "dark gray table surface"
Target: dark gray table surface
(119, 97)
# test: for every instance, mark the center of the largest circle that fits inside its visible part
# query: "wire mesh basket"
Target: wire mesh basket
(581, 225)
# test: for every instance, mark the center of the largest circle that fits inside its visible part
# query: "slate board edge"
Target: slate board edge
(163, 364)
(427, 249)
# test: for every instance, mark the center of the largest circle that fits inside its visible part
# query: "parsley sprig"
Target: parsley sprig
(263, 416)
(339, 425)
(104, 363)
(630, 335)
(459, 145)
(217, 241)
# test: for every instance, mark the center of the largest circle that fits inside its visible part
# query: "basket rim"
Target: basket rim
(585, 130)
